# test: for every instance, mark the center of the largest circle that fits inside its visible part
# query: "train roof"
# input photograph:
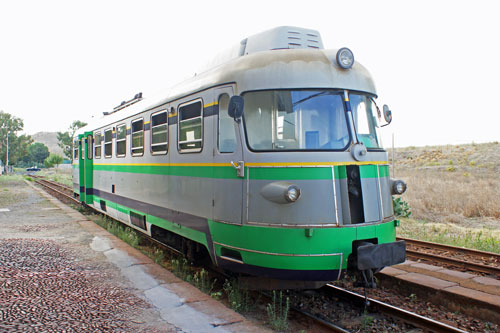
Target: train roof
(269, 60)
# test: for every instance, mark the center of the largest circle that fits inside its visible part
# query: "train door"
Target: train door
(89, 168)
(81, 166)
(228, 162)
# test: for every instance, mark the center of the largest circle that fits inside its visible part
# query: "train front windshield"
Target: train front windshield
(306, 120)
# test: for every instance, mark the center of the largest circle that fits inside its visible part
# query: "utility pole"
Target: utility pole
(7, 164)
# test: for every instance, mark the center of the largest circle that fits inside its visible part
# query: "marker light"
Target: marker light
(398, 187)
(292, 194)
(345, 58)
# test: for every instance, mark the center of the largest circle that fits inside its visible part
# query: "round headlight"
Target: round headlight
(345, 58)
(398, 187)
(292, 194)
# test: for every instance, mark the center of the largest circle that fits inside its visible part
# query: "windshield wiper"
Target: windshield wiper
(312, 96)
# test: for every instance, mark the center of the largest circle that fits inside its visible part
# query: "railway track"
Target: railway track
(469, 259)
(373, 305)
(408, 317)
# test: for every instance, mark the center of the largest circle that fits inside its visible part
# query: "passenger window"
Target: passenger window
(89, 147)
(190, 127)
(159, 133)
(82, 150)
(97, 145)
(121, 140)
(138, 137)
(108, 143)
(226, 139)
(75, 150)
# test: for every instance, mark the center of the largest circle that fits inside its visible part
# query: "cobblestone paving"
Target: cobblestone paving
(52, 281)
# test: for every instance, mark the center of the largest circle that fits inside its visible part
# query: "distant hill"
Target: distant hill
(50, 140)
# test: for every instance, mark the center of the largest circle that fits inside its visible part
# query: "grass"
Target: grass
(451, 234)
(452, 196)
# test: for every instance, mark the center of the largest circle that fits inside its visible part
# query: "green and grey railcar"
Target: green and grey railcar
(270, 161)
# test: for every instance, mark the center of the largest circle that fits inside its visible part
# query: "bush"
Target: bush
(401, 207)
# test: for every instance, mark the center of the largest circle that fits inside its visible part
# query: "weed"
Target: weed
(413, 297)
(181, 267)
(239, 299)
(451, 168)
(202, 281)
(216, 295)
(28, 179)
(367, 320)
(277, 312)
(158, 256)
(401, 207)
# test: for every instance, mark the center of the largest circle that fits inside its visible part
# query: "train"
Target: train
(268, 161)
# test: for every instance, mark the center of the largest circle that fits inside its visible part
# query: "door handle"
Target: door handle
(240, 168)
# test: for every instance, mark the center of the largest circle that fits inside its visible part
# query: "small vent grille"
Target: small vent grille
(298, 40)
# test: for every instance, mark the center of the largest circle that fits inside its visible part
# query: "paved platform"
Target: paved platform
(476, 294)
(62, 272)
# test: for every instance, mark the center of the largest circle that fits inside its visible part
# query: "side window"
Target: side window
(159, 133)
(108, 143)
(75, 150)
(121, 140)
(226, 138)
(97, 144)
(89, 147)
(82, 150)
(190, 127)
(138, 137)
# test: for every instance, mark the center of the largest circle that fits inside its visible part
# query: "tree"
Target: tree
(38, 152)
(19, 148)
(66, 138)
(9, 126)
(53, 160)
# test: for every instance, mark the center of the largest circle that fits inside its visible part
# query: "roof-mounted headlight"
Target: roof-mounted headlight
(398, 187)
(345, 58)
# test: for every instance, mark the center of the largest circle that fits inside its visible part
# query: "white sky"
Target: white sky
(435, 63)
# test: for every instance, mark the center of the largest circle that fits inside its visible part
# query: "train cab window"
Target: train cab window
(226, 138)
(121, 140)
(138, 137)
(97, 144)
(108, 143)
(75, 150)
(159, 133)
(365, 120)
(283, 120)
(190, 127)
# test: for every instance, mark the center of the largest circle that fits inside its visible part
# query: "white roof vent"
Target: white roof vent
(282, 38)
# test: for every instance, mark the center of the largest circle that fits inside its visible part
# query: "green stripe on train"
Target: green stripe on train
(257, 173)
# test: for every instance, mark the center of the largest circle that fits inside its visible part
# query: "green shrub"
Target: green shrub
(401, 207)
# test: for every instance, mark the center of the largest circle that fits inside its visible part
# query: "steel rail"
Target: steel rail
(42, 182)
(456, 262)
(404, 315)
(473, 252)
(482, 268)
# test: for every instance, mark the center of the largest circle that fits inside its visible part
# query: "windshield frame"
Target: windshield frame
(325, 91)
(320, 91)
